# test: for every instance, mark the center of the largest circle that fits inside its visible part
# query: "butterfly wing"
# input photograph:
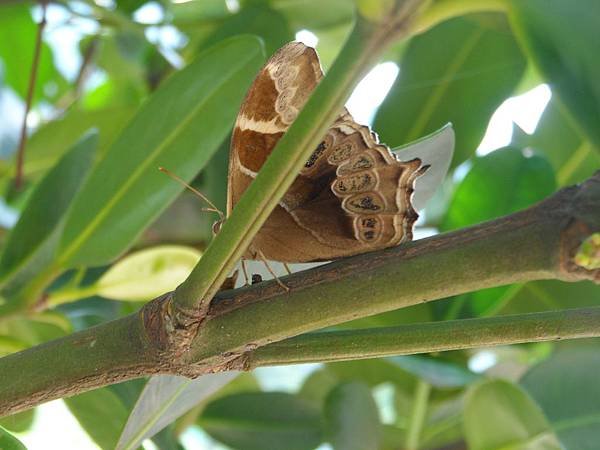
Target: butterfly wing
(276, 96)
(352, 195)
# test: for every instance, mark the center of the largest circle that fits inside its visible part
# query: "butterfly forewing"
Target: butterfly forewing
(352, 195)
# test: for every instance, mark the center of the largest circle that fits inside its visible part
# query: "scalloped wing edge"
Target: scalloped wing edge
(435, 150)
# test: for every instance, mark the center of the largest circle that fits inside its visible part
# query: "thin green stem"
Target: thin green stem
(430, 337)
(417, 415)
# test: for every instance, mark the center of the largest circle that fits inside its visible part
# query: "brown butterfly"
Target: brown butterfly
(352, 196)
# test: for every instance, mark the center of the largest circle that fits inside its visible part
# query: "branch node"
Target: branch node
(580, 237)
(169, 330)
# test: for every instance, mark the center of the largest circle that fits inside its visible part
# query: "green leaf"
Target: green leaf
(547, 295)
(317, 386)
(569, 65)
(461, 81)
(101, 414)
(499, 183)
(19, 422)
(257, 19)
(17, 43)
(263, 421)
(31, 245)
(180, 127)
(352, 418)
(500, 415)
(164, 399)
(436, 371)
(374, 372)
(52, 139)
(9, 442)
(315, 14)
(559, 139)
(147, 273)
(33, 331)
(9, 344)
(566, 387)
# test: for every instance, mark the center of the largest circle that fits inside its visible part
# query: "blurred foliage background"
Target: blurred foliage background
(102, 63)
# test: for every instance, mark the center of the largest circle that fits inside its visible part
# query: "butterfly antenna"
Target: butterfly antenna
(212, 208)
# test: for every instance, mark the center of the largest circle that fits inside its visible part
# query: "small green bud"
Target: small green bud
(588, 255)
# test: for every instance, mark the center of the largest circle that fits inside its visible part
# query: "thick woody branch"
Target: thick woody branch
(537, 243)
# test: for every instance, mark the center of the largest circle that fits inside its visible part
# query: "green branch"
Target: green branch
(429, 337)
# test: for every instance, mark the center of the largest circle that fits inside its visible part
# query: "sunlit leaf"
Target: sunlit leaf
(147, 273)
(164, 399)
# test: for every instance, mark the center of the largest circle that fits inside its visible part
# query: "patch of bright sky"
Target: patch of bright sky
(482, 361)
(63, 33)
(233, 6)
(149, 13)
(284, 378)
(384, 395)
(370, 92)
(49, 418)
(525, 110)
(307, 38)
(166, 37)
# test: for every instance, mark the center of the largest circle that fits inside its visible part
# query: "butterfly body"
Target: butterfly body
(352, 195)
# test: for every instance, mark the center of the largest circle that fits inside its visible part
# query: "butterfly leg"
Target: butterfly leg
(287, 268)
(264, 260)
(245, 272)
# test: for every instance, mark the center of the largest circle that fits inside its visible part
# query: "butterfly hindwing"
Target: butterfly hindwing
(352, 195)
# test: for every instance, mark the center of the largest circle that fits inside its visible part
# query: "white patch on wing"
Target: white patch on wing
(346, 129)
(237, 163)
(260, 126)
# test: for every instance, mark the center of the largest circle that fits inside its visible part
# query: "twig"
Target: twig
(29, 100)
(347, 345)
(71, 97)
